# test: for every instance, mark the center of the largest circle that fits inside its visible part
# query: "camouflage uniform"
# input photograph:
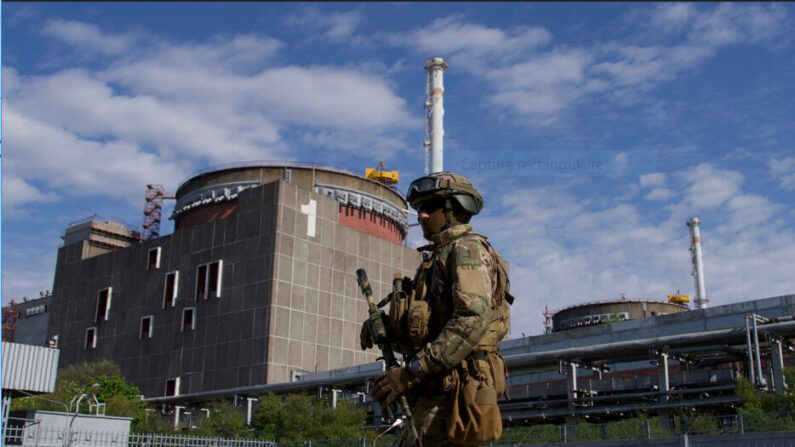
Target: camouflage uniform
(450, 322)
(460, 280)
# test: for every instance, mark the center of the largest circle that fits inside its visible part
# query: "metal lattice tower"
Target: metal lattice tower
(155, 194)
(9, 321)
(547, 320)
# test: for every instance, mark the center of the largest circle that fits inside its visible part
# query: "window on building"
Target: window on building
(288, 175)
(188, 318)
(201, 282)
(153, 259)
(214, 279)
(172, 386)
(35, 310)
(103, 304)
(91, 338)
(146, 327)
(208, 280)
(170, 289)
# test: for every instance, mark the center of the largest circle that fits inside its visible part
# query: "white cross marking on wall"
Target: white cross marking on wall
(310, 209)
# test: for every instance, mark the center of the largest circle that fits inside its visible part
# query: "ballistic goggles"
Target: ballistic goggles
(425, 185)
(445, 185)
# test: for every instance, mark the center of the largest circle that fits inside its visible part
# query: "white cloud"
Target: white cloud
(541, 86)
(89, 37)
(729, 23)
(700, 34)
(70, 165)
(659, 194)
(336, 25)
(201, 103)
(631, 65)
(451, 37)
(88, 107)
(317, 97)
(532, 79)
(234, 73)
(784, 171)
(749, 210)
(343, 24)
(17, 190)
(710, 187)
(672, 16)
(221, 54)
(327, 97)
(565, 249)
(544, 71)
(655, 179)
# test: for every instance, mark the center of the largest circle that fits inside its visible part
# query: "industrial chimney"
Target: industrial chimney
(434, 115)
(698, 265)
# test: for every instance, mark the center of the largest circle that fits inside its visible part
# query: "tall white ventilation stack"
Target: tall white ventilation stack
(698, 265)
(434, 115)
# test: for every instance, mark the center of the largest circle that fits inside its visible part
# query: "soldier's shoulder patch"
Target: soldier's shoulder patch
(468, 252)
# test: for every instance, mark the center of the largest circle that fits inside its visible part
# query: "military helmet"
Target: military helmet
(445, 185)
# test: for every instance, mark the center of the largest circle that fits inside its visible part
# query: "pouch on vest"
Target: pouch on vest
(418, 317)
(398, 307)
(474, 417)
(499, 372)
(410, 313)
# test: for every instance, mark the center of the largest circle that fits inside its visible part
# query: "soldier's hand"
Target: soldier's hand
(390, 385)
(365, 339)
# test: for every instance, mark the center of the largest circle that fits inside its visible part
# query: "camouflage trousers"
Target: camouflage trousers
(430, 419)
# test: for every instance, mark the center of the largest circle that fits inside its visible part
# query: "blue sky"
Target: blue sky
(660, 111)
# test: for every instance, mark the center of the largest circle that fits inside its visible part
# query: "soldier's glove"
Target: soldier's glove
(365, 338)
(390, 385)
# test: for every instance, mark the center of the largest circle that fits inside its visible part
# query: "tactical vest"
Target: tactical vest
(422, 310)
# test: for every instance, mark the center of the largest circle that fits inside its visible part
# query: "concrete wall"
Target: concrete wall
(228, 348)
(289, 301)
(317, 305)
(301, 176)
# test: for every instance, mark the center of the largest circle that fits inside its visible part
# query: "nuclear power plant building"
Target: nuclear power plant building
(256, 285)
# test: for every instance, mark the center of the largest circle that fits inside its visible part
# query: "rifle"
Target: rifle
(380, 337)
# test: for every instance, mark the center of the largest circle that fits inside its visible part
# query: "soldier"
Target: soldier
(450, 321)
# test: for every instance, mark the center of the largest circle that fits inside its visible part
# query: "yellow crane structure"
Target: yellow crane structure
(380, 174)
(679, 298)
